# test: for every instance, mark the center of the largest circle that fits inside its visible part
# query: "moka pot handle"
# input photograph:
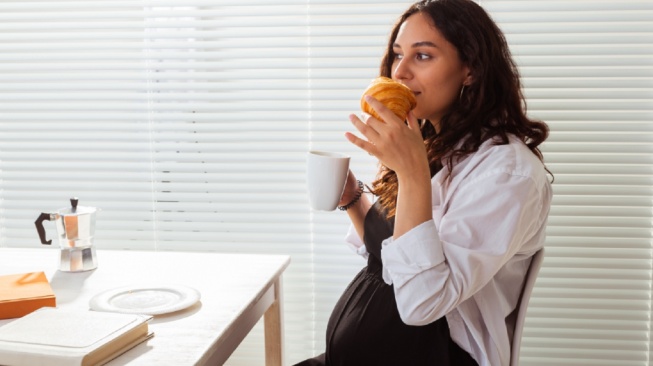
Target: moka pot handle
(40, 229)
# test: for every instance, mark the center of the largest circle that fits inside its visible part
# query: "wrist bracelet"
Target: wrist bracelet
(359, 193)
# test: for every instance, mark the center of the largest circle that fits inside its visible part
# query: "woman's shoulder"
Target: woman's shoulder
(513, 158)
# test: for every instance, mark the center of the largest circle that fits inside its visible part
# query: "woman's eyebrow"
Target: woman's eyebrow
(418, 44)
(424, 44)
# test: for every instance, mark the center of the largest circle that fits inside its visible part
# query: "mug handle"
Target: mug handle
(40, 229)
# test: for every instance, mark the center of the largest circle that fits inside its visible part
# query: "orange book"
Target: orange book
(20, 294)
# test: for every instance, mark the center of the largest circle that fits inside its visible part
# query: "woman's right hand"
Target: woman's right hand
(358, 211)
(350, 191)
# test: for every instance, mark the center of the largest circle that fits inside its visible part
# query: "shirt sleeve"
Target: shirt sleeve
(353, 240)
(436, 267)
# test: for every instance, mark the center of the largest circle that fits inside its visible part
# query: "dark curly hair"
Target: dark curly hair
(491, 107)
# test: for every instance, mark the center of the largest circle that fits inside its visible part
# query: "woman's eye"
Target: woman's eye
(417, 56)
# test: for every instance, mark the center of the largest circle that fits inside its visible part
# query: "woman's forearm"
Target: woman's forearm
(413, 202)
(358, 212)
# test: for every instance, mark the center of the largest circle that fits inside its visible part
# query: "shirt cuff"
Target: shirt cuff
(414, 252)
(355, 243)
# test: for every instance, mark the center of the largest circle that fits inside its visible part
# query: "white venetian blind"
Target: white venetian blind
(187, 122)
(587, 68)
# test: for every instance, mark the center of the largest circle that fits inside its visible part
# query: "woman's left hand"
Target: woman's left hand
(397, 144)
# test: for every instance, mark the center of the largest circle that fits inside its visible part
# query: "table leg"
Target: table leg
(274, 329)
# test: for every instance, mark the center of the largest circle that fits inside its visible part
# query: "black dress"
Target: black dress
(365, 327)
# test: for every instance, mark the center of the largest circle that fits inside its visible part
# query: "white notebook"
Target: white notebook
(56, 337)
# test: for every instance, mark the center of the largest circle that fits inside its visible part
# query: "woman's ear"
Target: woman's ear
(469, 79)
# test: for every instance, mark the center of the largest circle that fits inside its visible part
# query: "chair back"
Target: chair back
(522, 305)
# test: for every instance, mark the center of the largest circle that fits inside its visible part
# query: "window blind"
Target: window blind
(587, 71)
(184, 122)
(187, 124)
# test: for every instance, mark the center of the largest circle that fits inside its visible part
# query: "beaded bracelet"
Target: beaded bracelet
(359, 193)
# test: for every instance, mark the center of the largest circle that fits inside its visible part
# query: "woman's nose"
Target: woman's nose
(401, 70)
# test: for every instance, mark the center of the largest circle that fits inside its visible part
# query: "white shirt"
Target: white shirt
(470, 261)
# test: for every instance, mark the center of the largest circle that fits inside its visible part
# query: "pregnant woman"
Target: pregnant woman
(460, 206)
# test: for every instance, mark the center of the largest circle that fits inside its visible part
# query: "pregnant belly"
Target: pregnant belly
(365, 328)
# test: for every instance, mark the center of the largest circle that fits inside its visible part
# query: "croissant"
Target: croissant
(395, 96)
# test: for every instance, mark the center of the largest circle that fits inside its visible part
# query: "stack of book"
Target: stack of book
(42, 334)
(22, 293)
(56, 337)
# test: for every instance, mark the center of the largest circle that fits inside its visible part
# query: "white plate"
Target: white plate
(152, 300)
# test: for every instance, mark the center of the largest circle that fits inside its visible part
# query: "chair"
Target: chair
(522, 305)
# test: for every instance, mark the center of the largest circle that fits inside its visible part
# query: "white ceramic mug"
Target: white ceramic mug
(326, 174)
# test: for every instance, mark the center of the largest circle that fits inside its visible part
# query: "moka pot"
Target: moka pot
(75, 229)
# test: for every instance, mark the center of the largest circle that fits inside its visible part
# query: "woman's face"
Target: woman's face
(429, 65)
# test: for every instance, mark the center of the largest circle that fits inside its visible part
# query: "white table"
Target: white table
(236, 291)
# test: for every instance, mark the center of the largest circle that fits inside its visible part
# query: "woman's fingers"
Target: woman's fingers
(368, 131)
(381, 138)
(412, 121)
(382, 110)
(363, 144)
(365, 125)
